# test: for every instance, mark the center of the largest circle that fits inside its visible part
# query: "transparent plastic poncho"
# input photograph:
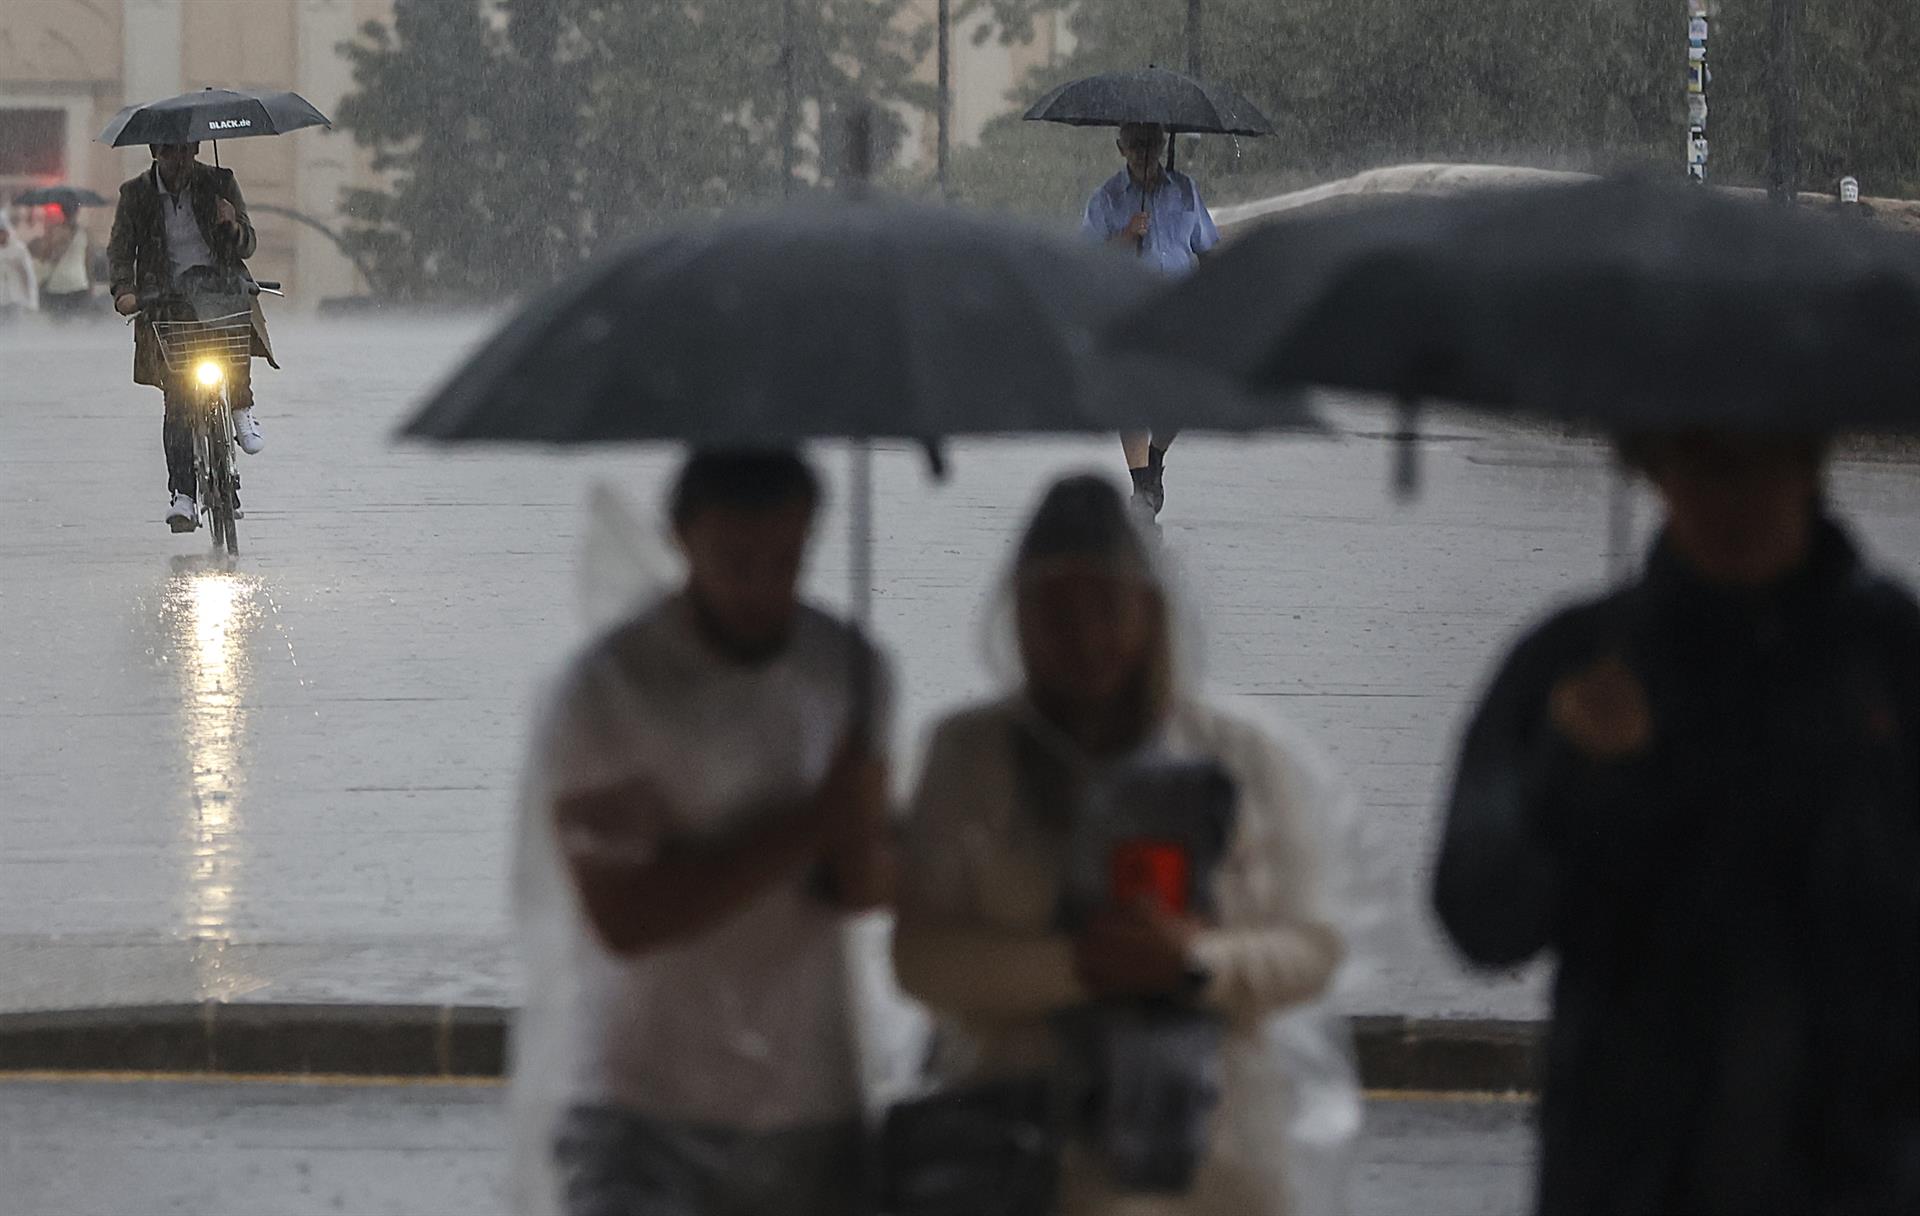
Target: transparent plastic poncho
(1297, 1108)
(626, 565)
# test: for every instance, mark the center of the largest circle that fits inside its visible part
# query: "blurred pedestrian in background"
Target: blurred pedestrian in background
(19, 283)
(1156, 213)
(64, 260)
(988, 935)
(709, 804)
(1700, 794)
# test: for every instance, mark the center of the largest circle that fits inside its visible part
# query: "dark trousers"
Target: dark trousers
(176, 427)
(616, 1162)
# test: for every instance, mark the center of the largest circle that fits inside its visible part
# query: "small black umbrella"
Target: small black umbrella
(1179, 103)
(211, 114)
(70, 197)
(1625, 304)
(843, 320)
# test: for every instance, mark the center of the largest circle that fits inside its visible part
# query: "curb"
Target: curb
(469, 1041)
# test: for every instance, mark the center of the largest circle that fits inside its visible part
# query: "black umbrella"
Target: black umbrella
(70, 197)
(850, 319)
(1179, 103)
(847, 320)
(1625, 304)
(211, 114)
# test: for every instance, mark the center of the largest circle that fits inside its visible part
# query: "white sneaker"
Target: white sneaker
(246, 431)
(182, 515)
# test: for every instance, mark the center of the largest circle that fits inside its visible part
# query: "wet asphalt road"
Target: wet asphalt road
(292, 777)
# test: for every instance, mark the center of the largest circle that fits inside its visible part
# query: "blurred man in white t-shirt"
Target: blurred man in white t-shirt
(718, 801)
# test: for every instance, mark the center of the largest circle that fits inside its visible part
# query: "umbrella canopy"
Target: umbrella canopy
(70, 197)
(1625, 304)
(848, 320)
(1151, 95)
(211, 114)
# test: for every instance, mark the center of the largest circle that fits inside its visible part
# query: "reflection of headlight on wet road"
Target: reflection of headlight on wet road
(209, 373)
(213, 613)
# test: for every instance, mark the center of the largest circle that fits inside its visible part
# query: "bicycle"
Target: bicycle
(200, 353)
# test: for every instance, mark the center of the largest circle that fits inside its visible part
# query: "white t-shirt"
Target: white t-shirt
(746, 1026)
(68, 276)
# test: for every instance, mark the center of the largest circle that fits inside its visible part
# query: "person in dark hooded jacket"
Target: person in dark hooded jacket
(1700, 794)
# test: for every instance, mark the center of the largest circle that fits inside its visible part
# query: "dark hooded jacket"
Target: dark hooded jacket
(137, 252)
(1734, 907)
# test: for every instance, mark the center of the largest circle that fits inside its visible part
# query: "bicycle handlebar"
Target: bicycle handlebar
(252, 287)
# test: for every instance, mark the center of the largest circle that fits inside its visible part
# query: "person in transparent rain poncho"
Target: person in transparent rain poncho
(703, 818)
(982, 938)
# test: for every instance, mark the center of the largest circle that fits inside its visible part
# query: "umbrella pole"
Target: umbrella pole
(860, 578)
(1406, 450)
(216, 154)
(1619, 522)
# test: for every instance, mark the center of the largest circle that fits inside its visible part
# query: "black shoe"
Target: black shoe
(1149, 492)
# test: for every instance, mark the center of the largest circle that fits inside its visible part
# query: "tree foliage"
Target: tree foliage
(521, 136)
(1587, 84)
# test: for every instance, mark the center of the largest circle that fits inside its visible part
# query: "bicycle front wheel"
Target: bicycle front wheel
(220, 499)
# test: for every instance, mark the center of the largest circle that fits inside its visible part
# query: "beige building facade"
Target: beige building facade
(66, 66)
(988, 79)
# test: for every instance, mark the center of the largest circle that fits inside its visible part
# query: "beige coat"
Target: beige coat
(976, 938)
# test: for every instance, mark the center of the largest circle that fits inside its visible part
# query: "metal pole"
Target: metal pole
(1193, 70)
(1783, 101)
(1193, 38)
(1699, 76)
(790, 102)
(944, 140)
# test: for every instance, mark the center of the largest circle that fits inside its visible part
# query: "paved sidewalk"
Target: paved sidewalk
(134, 1148)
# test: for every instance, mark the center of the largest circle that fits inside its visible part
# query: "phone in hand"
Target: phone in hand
(1155, 870)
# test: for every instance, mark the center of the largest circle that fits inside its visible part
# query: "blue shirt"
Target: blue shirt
(1179, 231)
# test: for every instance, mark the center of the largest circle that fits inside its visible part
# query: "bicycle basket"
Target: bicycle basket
(224, 340)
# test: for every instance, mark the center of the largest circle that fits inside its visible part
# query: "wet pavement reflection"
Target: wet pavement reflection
(292, 777)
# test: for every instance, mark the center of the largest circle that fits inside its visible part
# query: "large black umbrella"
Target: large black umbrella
(850, 319)
(70, 197)
(1177, 102)
(211, 114)
(1625, 304)
(845, 320)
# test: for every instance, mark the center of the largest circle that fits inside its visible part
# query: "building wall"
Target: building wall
(90, 57)
(988, 79)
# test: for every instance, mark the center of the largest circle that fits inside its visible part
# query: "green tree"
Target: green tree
(1586, 84)
(522, 137)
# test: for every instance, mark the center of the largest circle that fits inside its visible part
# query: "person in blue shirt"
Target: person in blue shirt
(1157, 213)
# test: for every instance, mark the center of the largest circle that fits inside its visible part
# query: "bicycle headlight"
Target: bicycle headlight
(209, 373)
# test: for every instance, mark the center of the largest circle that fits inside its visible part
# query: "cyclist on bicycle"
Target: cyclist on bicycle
(180, 227)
